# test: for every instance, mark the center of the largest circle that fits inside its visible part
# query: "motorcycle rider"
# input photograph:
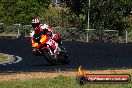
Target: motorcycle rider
(39, 29)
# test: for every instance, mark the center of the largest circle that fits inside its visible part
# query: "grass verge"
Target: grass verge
(57, 80)
(3, 57)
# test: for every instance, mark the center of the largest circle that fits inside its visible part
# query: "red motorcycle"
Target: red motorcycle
(50, 49)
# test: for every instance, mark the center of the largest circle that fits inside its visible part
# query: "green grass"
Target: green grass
(57, 82)
(2, 57)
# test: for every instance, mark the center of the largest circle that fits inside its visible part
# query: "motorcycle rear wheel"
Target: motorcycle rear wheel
(64, 55)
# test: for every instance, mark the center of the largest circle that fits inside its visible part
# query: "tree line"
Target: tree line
(104, 14)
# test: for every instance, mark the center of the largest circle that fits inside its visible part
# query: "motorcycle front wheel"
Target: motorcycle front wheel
(61, 59)
(49, 58)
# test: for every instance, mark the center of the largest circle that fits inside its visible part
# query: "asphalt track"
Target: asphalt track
(89, 55)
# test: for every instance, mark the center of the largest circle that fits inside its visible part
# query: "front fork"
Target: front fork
(51, 51)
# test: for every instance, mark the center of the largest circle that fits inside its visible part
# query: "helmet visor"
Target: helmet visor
(34, 25)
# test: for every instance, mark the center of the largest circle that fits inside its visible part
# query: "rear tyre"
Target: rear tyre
(65, 59)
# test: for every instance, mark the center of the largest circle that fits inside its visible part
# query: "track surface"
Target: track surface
(90, 55)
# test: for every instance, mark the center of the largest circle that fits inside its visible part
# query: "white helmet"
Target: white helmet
(35, 23)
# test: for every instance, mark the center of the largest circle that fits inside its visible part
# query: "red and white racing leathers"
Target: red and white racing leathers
(40, 31)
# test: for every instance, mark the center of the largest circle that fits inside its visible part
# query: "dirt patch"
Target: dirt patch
(34, 75)
(31, 75)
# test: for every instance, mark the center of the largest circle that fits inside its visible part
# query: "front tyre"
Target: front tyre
(50, 58)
